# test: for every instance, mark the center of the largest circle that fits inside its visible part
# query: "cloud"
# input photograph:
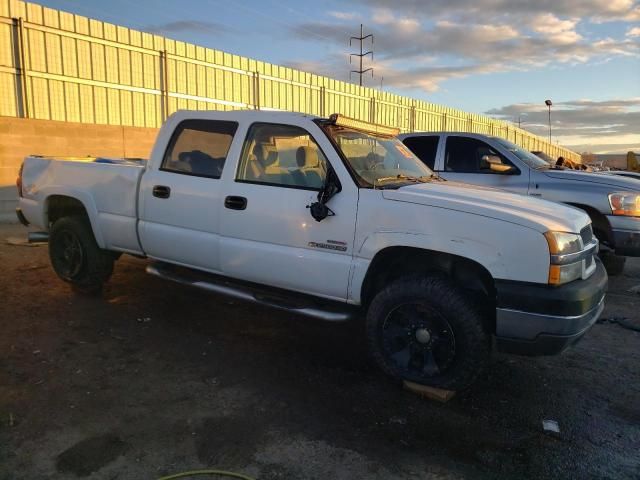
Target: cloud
(428, 78)
(383, 16)
(344, 15)
(482, 10)
(558, 30)
(178, 26)
(582, 124)
(464, 49)
(633, 32)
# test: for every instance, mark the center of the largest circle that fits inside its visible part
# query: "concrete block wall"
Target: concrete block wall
(20, 137)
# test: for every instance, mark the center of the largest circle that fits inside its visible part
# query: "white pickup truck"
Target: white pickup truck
(332, 219)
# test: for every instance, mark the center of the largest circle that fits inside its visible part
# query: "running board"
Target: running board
(300, 304)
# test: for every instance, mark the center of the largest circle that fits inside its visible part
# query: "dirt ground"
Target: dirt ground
(154, 378)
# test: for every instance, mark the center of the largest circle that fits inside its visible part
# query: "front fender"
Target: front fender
(507, 251)
(480, 252)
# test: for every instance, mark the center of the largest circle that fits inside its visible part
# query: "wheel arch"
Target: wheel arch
(58, 205)
(395, 262)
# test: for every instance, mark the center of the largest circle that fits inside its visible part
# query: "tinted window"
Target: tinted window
(282, 155)
(425, 148)
(199, 147)
(526, 156)
(463, 155)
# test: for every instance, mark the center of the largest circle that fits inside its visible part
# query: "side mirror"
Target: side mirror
(319, 210)
(494, 164)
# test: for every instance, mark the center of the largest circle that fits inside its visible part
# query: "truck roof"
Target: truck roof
(244, 115)
(466, 134)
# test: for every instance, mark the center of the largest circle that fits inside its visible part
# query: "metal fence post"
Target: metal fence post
(19, 60)
(372, 109)
(256, 90)
(322, 102)
(164, 86)
(412, 118)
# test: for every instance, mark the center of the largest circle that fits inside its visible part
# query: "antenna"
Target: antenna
(360, 55)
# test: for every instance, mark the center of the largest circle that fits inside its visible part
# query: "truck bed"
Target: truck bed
(106, 186)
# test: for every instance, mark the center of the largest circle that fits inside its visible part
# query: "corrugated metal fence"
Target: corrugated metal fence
(56, 65)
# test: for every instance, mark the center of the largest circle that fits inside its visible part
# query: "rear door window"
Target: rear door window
(425, 148)
(199, 147)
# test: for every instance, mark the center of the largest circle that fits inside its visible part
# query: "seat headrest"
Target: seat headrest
(265, 154)
(307, 157)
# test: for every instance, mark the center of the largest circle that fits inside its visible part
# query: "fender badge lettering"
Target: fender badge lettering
(339, 246)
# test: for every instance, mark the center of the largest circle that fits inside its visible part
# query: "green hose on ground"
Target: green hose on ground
(194, 473)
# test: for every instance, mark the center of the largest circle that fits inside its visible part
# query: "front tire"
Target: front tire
(76, 257)
(423, 330)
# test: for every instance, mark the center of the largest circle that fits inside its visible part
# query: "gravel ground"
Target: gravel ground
(154, 378)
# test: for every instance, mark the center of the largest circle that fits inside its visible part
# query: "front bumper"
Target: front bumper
(626, 235)
(536, 319)
(626, 243)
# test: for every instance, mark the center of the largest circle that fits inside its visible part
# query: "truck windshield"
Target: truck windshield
(526, 156)
(378, 161)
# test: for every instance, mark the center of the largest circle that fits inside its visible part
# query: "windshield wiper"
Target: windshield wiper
(409, 178)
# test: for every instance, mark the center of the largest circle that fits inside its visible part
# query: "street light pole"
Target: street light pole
(548, 103)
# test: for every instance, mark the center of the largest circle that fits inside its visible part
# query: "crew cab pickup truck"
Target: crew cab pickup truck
(612, 202)
(330, 219)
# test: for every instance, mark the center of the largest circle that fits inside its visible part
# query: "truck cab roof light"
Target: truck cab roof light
(342, 121)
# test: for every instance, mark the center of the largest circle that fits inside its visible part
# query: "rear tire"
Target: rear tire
(422, 329)
(76, 257)
(613, 264)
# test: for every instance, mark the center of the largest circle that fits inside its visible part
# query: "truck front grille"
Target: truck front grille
(587, 234)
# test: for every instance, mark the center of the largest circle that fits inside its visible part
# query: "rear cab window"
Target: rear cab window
(199, 148)
(425, 147)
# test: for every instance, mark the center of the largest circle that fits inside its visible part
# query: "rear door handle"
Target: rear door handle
(235, 203)
(161, 191)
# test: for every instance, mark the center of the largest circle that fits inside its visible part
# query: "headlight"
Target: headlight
(625, 203)
(561, 243)
(562, 247)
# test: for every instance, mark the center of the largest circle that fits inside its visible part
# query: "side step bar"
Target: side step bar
(295, 303)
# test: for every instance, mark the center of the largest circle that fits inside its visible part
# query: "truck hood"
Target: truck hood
(534, 213)
(618, 182)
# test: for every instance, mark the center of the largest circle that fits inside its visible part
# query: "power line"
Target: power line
(360, 55)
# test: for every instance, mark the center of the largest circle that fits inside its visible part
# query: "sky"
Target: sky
(501, 58)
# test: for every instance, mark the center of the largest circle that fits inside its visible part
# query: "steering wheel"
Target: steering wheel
(373, 161)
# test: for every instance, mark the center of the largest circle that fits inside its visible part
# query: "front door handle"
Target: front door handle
(161, 191)
(235, 203)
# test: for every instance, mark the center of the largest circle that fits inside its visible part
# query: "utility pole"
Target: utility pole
(548, 103)
(360, 55)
